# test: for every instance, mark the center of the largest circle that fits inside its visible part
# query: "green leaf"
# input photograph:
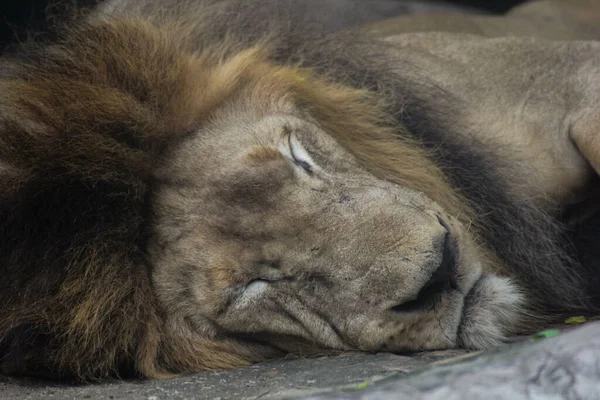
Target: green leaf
(548, 333)
(575, 320)
(362, 386)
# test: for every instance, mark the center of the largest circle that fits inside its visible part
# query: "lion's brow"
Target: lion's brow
(264, 153)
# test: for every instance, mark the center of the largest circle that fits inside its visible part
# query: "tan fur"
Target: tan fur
(264, 154)
(172, 207)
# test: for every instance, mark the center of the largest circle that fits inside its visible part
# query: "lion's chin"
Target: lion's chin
(491, 310)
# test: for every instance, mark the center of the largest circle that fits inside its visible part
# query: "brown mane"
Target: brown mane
(84, 123)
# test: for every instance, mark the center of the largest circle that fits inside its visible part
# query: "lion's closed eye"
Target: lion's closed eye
(296, 153)
(251, 291)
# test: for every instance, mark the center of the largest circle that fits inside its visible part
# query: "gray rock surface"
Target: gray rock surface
(563, 367)
(278, 379)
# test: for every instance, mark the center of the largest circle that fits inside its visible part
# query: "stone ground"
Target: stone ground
(276, 379)
(566, 366)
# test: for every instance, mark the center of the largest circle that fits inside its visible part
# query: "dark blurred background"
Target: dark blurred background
(22, 18)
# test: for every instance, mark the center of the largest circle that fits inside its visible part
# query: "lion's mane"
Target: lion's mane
(85, 119)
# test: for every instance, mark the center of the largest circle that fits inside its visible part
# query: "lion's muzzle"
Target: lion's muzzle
(441, 280)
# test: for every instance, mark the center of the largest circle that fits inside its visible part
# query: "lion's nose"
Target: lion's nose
(442, 279)
(444, 276)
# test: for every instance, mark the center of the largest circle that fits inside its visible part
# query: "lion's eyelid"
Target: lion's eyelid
(299, 155)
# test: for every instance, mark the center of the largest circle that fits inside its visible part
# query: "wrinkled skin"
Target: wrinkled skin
(252, 241)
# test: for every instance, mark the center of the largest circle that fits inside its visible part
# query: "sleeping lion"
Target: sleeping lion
(194, 185)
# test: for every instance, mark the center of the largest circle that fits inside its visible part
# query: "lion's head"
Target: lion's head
(271, 223)
(206, 209)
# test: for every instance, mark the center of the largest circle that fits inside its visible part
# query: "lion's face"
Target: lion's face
(267, 228)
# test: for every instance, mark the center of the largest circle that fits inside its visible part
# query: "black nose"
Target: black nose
(445, 276)
(442, 279)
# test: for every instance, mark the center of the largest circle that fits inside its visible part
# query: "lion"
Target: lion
(197, 185)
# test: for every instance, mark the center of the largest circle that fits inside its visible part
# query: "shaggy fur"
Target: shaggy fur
(85, 121)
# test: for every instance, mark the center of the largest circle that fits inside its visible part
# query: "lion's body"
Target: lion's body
(216, 183)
